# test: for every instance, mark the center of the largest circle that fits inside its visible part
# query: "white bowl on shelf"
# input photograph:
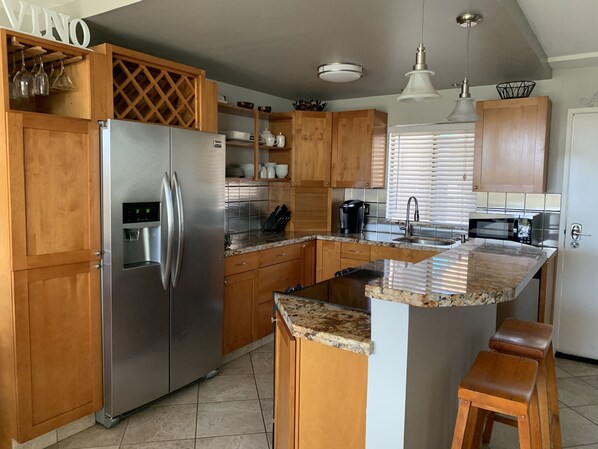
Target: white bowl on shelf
(282, 170)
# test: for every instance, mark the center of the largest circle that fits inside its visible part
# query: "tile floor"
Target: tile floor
(578, 395)
(234, 411)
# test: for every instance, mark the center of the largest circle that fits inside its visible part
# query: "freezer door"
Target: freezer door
(198, 273)
(135, 161)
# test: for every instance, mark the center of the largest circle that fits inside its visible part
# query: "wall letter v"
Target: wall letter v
(14, 22)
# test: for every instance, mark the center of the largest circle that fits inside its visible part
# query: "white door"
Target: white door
(578, 300)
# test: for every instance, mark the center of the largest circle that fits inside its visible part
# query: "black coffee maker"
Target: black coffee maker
(352, 213)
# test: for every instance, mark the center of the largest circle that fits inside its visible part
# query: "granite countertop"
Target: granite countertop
(476, 273)
(260, 241)
(329, 324)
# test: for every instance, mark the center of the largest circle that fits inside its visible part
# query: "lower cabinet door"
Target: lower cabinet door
(239, 294)
(263, 319)
(284, 384)
(331, 408)
(58, 346)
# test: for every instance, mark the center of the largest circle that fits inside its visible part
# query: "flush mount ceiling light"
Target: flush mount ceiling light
(419, 87)
(464, 109)
(340, 72)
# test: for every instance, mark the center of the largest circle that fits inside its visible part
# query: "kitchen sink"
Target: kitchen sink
(425, 241)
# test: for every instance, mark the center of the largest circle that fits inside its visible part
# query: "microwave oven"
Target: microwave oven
(513, 227)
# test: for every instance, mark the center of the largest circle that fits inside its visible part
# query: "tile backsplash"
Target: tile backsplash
(548, 206)
(245, 205)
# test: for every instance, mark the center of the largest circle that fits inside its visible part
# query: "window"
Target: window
(435, 166)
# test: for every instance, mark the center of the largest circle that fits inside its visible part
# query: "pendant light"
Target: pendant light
(464, 109)
(419, 87)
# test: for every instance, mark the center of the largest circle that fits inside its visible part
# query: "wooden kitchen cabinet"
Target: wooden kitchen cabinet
(423, 254)
(275, 277)
(57, 346)
(240, 291)
(314, 411)
(148, 89)
(359, 148)
(388, 252)
(511, 145)
(328, 259)
(308, 263)
(354, 254)
(250, 279)
(310, 208)
(50, 311)
(312, 137)
(284, 387)
(54, 185)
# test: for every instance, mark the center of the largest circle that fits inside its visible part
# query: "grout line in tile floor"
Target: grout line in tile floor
(579, 431)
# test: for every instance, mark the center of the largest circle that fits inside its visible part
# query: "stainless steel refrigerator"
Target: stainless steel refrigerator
(162, 286)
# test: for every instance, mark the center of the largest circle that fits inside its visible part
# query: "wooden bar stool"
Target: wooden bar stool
(503, 384)
(534, 341)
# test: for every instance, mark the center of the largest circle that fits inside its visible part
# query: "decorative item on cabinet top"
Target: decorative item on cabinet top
(153, 90)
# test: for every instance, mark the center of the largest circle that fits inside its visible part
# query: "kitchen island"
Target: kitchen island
(427, 321)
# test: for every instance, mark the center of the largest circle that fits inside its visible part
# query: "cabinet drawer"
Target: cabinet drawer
(277, 277)
(417, 256)
(387, 252)
(240, 263)
(355, 251)
(277, 255)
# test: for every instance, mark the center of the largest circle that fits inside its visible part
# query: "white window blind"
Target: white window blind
(437, 168)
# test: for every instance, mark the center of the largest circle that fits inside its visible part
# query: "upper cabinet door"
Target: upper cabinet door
(55, 190)
(359, 148)
(312, 141)
(511, 145)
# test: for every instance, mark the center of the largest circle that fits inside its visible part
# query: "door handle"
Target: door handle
(576, 233)
(166, 198)
(181, 228)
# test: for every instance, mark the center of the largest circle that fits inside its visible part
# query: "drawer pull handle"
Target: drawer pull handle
(240, 264)
(281, 255)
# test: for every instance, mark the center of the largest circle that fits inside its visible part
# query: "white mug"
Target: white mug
(270, 140)
(280, 141)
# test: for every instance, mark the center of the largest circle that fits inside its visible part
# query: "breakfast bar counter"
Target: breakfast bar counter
(421, 326)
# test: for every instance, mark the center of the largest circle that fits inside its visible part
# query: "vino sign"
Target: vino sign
(66, 29)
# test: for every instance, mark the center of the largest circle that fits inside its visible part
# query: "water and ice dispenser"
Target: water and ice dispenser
(141, 234)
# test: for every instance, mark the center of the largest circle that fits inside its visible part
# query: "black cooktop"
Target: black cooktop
(347, 289)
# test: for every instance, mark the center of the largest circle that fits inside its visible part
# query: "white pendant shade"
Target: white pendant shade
(419, 87)
(464, 111)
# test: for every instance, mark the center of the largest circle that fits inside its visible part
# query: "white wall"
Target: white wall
(565, 89)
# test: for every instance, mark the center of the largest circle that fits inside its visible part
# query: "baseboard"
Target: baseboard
(576, 358)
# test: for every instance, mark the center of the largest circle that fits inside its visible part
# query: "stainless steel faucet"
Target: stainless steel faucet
(415, 215)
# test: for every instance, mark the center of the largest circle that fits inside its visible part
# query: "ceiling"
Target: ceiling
(275, 46)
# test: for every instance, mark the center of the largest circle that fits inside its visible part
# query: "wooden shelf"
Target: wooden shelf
(265, 147)
(240, 143)
(235, 110)
(227, 108)
(260, 179)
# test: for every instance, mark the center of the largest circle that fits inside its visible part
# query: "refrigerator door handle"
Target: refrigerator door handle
(166, 262)
(181, 228)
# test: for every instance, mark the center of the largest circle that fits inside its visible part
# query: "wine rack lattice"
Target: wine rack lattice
(152, 94)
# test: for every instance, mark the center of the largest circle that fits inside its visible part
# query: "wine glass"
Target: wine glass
(13, 89)
(63, 81)
(23, 79)
(53, 75)
(41, 80)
